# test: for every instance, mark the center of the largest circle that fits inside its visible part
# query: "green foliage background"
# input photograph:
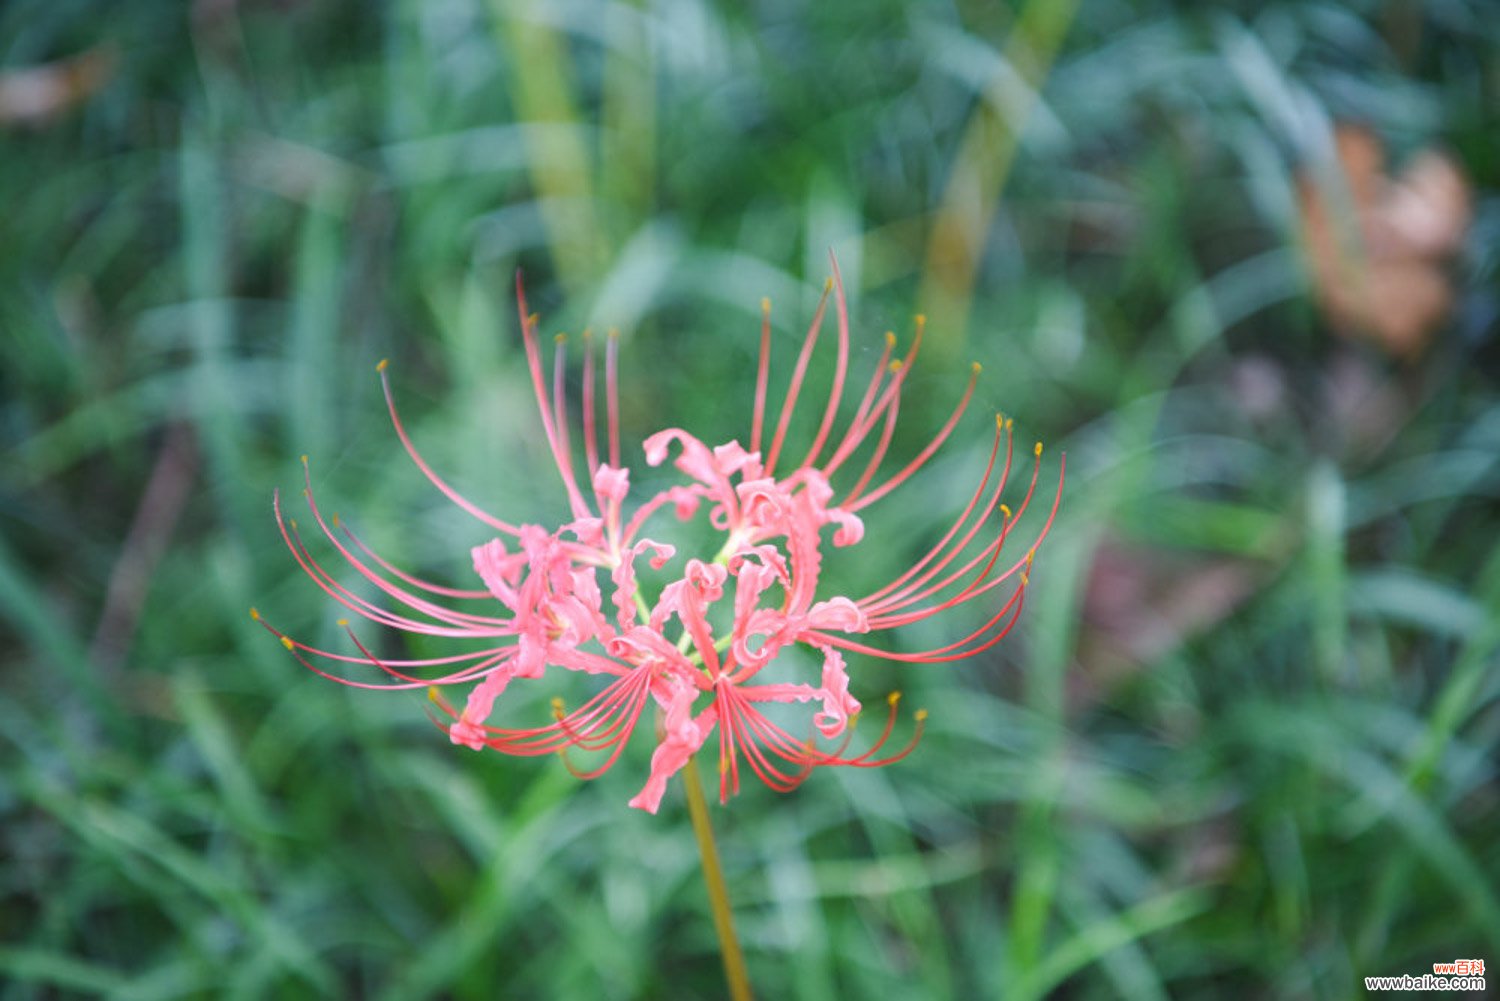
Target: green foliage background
(1140, 795)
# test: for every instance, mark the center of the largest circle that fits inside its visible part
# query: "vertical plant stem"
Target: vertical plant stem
(713, 877)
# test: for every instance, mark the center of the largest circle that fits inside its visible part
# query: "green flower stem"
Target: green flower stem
(713, 876)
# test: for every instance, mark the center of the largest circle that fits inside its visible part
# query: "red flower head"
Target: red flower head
(568, 597)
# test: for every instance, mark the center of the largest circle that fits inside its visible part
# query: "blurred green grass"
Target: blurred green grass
(1242, 745)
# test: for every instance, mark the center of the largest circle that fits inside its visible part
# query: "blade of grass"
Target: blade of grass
(1326, 585)
(980, 167)
(23, 605)
(511, 849)
(1459, 697)
(206, 278)
(913, 911)
(1057, 589)
(627, 147)
(134, 409)
(1102, 936)
(311, 358)
(221, 751)
(1312, 736)
(22, 965)
(143, 851)
(561, 165)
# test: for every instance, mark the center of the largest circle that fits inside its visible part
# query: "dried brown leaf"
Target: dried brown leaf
(1378, 246)
(37, 95)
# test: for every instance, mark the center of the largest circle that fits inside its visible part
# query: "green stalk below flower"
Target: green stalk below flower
(713, 878)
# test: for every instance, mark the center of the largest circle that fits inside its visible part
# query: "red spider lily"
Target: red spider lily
(551, 584)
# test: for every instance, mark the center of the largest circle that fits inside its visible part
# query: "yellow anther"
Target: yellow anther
(921, 319)
(558, 709)
(890, 338)
(382, 366)
(434, 695)
(344, 623)
(765, 304)
(1005, 510)
(976, 368)
(1009, 423)
(999, 422)
(559, 338)
(920, 715)
(614, 333)
(286, 641)
(893, 698)
(1038, 450)
(724, 766)
(588, 335)
(895, 366)
(533, 319)
(304, 459)
(293, 521)
(254, 615)
(336, 523)
(828, 284)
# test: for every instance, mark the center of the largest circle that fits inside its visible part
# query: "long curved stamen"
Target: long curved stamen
(789, 404)
(402, 595)
(983, 582)
(556, 435)
(891, 404)
(434, 478)
(841, 366)
(590, 430)
(762, 376)
(981, 637)
(866, 417)
(612, 394)
(485, 660)
(925, 454)
(755, 732)
(606, 719)
(1022, 567)
(621, 714)
(293, 539)
(873, 599)
(907, 591)
(473, 594)
(867, 761)
(847, 446)
(560, 397)
(729, 760)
